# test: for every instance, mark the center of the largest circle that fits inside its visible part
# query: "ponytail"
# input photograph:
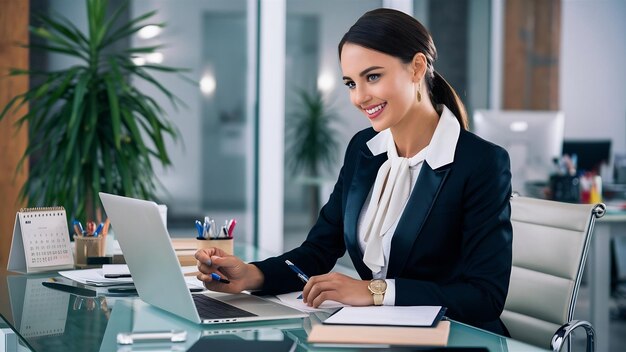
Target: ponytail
(441, 92)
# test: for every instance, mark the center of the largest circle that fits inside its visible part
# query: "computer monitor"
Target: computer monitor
(590, 154)
(532, 138)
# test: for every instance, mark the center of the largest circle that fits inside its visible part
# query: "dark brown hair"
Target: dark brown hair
(397, 34)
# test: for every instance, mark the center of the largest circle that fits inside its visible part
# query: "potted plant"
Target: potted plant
(90, 130)
(311, 143)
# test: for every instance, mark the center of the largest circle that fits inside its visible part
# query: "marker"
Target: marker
(231, 227)
(216, 277)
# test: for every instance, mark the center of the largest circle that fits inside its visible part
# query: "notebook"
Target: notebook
(152, 262)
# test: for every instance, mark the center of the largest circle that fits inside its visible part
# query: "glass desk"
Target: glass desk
(50, 320)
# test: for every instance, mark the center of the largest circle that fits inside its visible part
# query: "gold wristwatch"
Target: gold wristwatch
(378, 287)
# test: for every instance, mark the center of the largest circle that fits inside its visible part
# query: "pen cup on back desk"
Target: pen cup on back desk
(225, 244)
(88, 246)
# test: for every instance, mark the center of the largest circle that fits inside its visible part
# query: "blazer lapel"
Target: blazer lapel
(417, 209)
(365, 173)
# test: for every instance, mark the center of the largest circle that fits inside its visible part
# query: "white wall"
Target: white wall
(592, 77)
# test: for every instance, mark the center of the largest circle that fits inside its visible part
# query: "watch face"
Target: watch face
(378, 286)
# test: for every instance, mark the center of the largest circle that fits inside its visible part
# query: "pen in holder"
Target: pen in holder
(88, 246)
(209, 236)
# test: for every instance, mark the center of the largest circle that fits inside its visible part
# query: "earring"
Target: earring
(419, 93)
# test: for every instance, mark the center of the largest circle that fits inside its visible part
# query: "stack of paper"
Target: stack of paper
(95, 277)
(389, 325)
(387, 335)
(294, 300)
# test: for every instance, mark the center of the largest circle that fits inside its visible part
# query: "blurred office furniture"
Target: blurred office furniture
(550, 245)
(619, 169)
(532, 138)
(590, 154)
(611, 226)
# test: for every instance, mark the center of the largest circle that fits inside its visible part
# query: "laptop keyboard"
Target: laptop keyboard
(210, 308)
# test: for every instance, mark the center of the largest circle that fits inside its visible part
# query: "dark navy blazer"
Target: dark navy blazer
(452, 245)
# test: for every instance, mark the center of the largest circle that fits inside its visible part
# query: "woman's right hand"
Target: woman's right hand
(242, 276)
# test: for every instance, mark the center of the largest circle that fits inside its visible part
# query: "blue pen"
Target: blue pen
(80, 226)
(200, 230)
(98, 229)
(301, 275)
(216, 277)
(297, 270)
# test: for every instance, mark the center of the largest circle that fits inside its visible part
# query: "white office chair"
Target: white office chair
(550, 245)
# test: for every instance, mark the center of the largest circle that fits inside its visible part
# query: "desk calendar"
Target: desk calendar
(41, 241)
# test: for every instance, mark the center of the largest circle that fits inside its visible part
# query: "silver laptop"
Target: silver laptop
(156, 272)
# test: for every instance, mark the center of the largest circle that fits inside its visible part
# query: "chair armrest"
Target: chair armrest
(564, 331)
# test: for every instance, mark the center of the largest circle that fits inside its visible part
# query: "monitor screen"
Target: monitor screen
(590, 154)
(532, 138)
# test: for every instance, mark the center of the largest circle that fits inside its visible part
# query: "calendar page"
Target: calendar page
(37, 310)
(45, 310)
(41, 241)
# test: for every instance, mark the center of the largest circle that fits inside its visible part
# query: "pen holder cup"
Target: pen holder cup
(225, 244)
(88, 246)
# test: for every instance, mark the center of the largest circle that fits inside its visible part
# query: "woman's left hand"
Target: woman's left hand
(336, 287)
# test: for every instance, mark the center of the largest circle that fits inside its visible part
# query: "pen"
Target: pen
(212, 229)
(80, 227)
(206, 227)
(116, 276)
(71, 289)
(216, 277)
(98, 229)
(200, 230)
(77, 230)
(297, 270)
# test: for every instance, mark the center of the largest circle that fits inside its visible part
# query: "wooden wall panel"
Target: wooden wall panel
(13, 29)
(531, 54)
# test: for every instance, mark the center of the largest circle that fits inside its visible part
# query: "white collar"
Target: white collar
(442, 146)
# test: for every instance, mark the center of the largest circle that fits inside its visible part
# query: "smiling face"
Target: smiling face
(380, 85)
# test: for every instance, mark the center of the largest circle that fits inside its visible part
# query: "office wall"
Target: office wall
(335, 18)
(593, 74)
(13, 28)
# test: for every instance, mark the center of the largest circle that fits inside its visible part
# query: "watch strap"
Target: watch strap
(378, 299)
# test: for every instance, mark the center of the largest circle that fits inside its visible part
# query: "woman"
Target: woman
(421, 204)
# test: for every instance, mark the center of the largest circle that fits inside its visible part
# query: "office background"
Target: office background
(231, 160)
(250, 57)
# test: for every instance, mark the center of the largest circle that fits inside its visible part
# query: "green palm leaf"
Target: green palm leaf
(89, 129)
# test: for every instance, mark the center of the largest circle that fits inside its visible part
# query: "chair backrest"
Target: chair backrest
(550, 244)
